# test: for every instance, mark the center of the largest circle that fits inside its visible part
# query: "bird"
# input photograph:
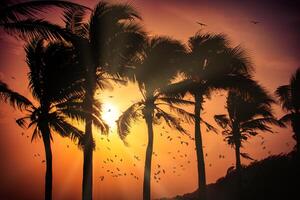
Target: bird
(254, 22)
(137, 158)
(201, 24)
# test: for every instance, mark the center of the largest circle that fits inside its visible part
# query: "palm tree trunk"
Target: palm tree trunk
(148, 159)
(87, 180)
(238, 160)
(237, 144)
(48, 178)
(199, 149)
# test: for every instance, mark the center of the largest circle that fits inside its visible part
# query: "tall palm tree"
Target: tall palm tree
(154, 68)
(45, 82)
(247, 115)
(210, 64)
(104, 46)
(21, 18)
(289, 97)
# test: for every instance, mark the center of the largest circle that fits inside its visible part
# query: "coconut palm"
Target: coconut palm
(46, 113)
(247, 116)
(152, 72)
(289, 97)
(21, 18)
(210, 64)
(104, 47)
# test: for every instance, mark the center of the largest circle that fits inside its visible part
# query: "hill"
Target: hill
(276, 177)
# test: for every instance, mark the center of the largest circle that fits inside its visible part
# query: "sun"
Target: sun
(110, 114)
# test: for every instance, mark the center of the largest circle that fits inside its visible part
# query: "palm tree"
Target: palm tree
(289, 98)
(246, 116)
(154, 68)
(104, 47)
(210, 64)
(45, 82)
(20, 19)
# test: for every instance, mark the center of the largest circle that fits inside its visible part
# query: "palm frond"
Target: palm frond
(247, 156)
(73, 19)
(22, 122)
(13, 98)
(201, 44)
(99, 123)
(208, 126)
(287, 118)
(65, 129)
(32, 9)
(222, 120)
(103, 83)
(171, 121)
(132, 114)
(35, 28)
(284, 95)
(261, 124)
(36, 133)
(188, 117)
(179, 89)
(176, 101)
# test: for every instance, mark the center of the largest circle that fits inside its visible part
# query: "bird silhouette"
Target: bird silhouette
(137, 158)
(254, 22)
(201, 24)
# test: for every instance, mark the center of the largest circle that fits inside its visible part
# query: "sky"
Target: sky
(272, 44)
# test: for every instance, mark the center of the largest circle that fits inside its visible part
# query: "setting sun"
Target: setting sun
(110, 114)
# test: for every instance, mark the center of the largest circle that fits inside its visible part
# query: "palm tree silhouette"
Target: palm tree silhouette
(289, 98)
(247, 115)
(45, 82)
(20, 19)
(210, 64)
(105, 46)
(155, 67)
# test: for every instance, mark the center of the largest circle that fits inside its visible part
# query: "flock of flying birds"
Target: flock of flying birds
(111, 165)
(180, 160)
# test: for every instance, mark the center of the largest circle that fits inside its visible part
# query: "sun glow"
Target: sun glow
(110, 114)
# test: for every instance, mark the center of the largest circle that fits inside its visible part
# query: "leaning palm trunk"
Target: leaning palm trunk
(148, 160)
(199, 149)
(48, 178)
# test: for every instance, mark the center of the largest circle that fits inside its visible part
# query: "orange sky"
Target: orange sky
(272, 46)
